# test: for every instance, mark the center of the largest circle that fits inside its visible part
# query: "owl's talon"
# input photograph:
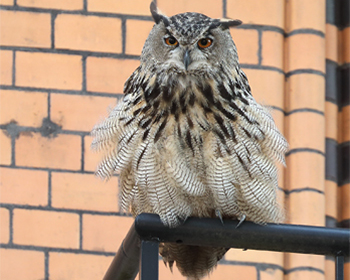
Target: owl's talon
(218, 214)
(183, 220)
(241, 220)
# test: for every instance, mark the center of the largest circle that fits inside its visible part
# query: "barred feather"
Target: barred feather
(128, 185)
(196, 258)
(180, 170)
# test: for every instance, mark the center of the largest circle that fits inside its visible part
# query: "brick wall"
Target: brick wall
(63, 63)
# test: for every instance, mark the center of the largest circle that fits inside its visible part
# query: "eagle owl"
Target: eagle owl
(188, 138)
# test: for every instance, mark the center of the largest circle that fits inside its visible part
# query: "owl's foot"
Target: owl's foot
(241, 220)
(218, 214)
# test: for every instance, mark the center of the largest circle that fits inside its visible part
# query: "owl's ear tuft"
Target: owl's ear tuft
(158, 15)
(227, 23)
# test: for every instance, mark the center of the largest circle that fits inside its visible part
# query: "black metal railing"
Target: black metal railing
(139, 250)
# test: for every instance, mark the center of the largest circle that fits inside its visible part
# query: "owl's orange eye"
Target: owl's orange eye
(204, 43)
(171, 41)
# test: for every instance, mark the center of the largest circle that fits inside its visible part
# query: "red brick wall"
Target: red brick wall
(63, 63)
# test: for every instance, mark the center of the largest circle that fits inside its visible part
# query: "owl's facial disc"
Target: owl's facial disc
(185, 56)
(186, 59)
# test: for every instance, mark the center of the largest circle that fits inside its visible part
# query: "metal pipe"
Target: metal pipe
(211, 232)
(339, 267)
(125, 264)
(272, 237)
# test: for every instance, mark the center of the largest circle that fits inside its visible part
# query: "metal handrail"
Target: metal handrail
(147, 231)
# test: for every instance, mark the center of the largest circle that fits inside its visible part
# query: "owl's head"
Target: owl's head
(189, 43)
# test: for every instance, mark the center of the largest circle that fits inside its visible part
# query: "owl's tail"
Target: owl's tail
(193, 262)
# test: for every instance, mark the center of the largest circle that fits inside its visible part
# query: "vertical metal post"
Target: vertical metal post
(149, 260)
(339, 267)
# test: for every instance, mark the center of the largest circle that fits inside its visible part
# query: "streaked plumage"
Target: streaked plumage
(189, 139)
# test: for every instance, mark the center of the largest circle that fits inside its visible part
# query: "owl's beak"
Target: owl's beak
(187, 59)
